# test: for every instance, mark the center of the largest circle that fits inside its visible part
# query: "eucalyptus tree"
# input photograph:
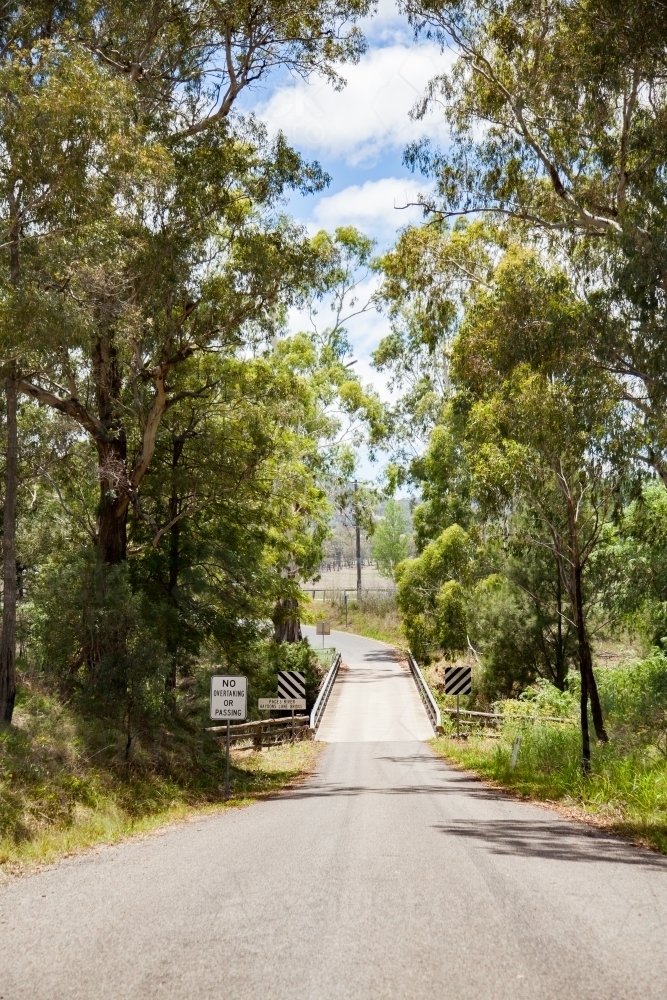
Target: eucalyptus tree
(57, 119)
(231, 502)
(191, 257)
(391, 538)
(177, 254)
(543, 428)
(557, 117)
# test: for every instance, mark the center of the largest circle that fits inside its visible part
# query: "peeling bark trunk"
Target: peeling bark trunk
(8, 639)
(112, 454)
(561, 666)
(174, 562)
(572, 578)
(112, 510)
(286, 624)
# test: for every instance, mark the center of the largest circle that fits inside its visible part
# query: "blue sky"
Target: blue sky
(358, 135)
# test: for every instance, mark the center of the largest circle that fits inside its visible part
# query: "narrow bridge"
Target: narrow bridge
(374, 699)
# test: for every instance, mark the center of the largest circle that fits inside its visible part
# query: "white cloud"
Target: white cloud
(386, 25)
(370, 115)
(373, 207)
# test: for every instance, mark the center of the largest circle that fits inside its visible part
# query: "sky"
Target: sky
(358, 136)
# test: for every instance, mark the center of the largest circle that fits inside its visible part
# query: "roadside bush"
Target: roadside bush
(100, 639)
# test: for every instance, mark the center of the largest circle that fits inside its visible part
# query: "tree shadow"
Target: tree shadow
(552, 840)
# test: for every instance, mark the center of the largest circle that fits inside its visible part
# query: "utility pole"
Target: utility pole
(358, 532)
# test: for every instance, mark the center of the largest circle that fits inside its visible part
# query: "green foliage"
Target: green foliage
(101, 638)
(451, 618)
(505, 633)
(391, 540)
(427, 623)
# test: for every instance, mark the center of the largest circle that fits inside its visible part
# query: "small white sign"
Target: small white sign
(274, 704)
(323, 628)
(229, 697)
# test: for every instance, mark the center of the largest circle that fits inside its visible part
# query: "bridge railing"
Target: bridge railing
(430, 704)
(265, 732)
(323, 696)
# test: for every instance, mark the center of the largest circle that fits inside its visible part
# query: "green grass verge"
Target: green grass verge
(626, 791)
(65, 785)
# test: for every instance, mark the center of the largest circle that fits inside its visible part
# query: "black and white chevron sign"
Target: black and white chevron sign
(291, 684)
(458, 680)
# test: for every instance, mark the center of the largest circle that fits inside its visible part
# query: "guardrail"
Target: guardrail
(430, 703)
(266, 732)
(323, 696)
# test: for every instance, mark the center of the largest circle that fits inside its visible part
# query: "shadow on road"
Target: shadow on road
(315, 789)
(551, 840)
(382, 655)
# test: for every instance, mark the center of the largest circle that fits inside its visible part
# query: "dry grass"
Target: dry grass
(376, 617)
(65, 786)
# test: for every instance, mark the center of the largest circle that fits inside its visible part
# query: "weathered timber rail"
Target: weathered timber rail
(430, 704)
(496, 718)
(265, 732)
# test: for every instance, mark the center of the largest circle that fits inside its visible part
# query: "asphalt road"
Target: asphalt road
(386, 875)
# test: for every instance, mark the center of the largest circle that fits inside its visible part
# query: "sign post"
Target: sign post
(227, 765)
(324, 628)
(229, 700)
(458, 681)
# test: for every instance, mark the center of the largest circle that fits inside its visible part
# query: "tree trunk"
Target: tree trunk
(286, 624)
(112, 510)
(8, 639)
(585, 737)
(173, 643)
(561, 665)
(586, 660)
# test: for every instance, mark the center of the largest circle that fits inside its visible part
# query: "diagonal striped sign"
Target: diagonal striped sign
(458, 680)
(291, 684)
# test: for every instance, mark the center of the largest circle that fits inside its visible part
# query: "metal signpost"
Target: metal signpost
(292, 684)
(229, 700)
(458, 681)
(323, 628)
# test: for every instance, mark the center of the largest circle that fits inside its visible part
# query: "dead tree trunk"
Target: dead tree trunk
(8, 639)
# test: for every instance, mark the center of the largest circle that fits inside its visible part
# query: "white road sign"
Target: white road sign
(229, 697)
(274, 704)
